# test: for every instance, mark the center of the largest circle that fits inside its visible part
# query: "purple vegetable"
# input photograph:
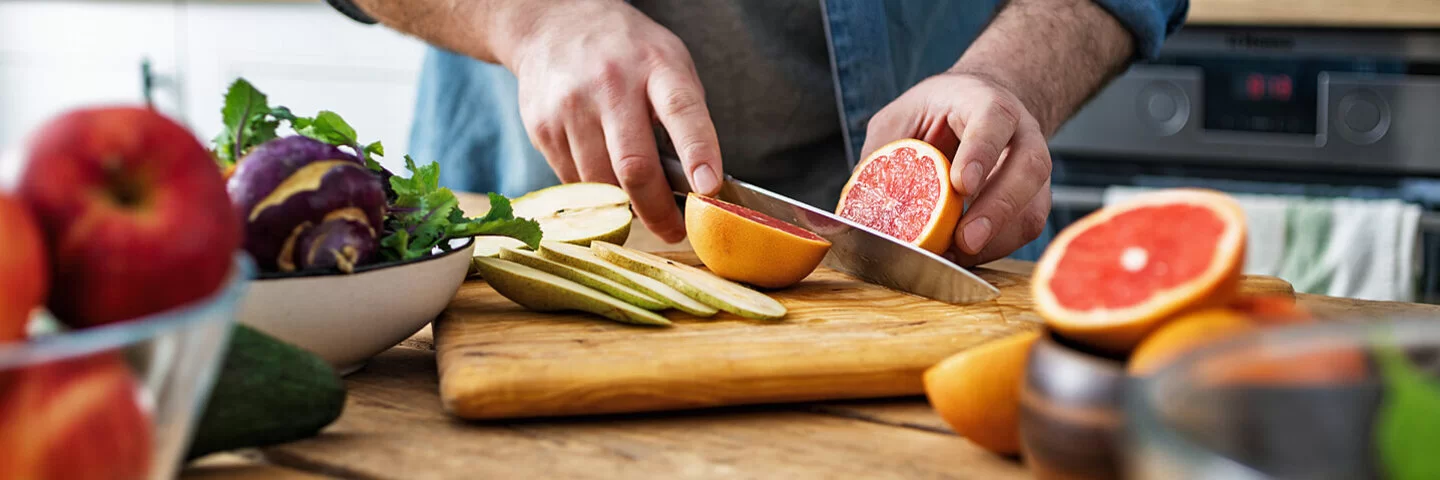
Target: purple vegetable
(266, 166)
(311, 195)
(343, 241)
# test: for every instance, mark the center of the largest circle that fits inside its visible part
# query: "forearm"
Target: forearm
(1052, 54)
(482, 29)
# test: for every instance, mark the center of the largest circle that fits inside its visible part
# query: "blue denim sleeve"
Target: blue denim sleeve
(1149, 21)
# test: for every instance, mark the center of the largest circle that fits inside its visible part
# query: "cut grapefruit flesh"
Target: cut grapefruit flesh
(1185, 334)
(1115, 275)
(903, 190)
(747, 246)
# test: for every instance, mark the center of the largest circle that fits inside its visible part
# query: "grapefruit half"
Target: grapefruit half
(747, 246)
(903, 190)
(1115, 275)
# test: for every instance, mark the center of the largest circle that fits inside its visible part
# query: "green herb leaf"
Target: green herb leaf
(243, 104)
(328, 127)
(430, 215)
(1407, 425)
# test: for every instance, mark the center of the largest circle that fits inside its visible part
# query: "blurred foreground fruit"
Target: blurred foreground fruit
(134, 213)
(903, 190)
(1184, 334)
(747, 246)
(977, 391)
(73, 419)
(1115, 275)
(24, 273)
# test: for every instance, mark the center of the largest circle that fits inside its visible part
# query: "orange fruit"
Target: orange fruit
(1113, 276)
(977, 391)
(903, 190)
(747, 246)
(1184, 334)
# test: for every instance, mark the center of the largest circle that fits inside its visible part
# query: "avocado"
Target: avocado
(268, 392)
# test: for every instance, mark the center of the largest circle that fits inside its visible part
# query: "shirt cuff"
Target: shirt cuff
(1149, 21)
(348, 8)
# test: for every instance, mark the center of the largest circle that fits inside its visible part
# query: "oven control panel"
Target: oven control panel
(1309, 100)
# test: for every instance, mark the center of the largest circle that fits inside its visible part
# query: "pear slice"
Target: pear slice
(582, 258)
(543, 292)
(578, 213)
(489, 246)
(615, 289)
(704, 286)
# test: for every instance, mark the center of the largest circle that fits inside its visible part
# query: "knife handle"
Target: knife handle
(675, 174)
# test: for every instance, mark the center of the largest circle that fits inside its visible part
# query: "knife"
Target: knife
(854, 249)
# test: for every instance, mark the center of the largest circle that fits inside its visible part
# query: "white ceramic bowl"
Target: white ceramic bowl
(348, 318)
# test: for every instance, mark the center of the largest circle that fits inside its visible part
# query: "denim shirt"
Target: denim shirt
(467, 115)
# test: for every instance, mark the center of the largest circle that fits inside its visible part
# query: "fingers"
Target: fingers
(983, 136)
(679, 104)
(1008, 191)
(550, 139)
(635, 161)
(587, 148)
(1016, 233)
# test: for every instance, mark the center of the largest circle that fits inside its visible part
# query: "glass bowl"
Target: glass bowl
(114, 401)
(1307, 401)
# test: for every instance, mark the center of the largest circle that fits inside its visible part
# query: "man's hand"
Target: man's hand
(1036, 63)
(1001, 163)
(594, 76)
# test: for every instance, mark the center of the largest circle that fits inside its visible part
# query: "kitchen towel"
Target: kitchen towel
(1345, 247)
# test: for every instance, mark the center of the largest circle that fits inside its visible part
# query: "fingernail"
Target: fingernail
(704, 180)
(971, 178)
(977, 233)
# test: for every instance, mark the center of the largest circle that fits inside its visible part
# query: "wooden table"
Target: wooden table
(393, 427)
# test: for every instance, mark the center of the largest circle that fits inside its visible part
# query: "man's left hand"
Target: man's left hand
(1001, 163)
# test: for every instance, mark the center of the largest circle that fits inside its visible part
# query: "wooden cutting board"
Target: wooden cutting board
(842, 338)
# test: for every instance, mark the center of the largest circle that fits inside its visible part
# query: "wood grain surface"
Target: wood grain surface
(842, 338)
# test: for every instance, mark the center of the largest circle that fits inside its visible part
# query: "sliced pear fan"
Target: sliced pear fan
(582, 258)
(615, 289)
(578, 213)
(700, 284)
(543, 292)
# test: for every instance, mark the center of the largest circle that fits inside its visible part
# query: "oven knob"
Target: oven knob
(1164, 107)
(1364, 117)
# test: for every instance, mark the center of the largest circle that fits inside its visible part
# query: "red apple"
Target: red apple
(134, 211)
(74, 418)
(24, 275)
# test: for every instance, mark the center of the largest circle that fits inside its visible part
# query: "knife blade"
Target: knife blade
(855, 249)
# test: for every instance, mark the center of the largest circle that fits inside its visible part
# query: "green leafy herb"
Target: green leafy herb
(247, 122)
(250, 121)
(428, 214)
(1407, 427)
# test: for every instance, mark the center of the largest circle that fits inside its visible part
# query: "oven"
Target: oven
(1313, 113)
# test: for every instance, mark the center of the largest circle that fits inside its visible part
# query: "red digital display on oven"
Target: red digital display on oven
(1272, 87)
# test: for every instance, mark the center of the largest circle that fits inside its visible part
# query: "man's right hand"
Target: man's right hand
(593, 76)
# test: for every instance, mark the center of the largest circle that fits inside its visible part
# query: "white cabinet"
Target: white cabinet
(58, 54)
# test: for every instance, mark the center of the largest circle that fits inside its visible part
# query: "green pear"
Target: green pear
(543, 292)
(582, 258)
(615, 289)
(578, 213)
(700, 284)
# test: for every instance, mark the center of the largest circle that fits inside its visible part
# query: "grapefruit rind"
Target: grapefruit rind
(747, 250)
(1119, 330)
(939, 231)
(977, 391)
